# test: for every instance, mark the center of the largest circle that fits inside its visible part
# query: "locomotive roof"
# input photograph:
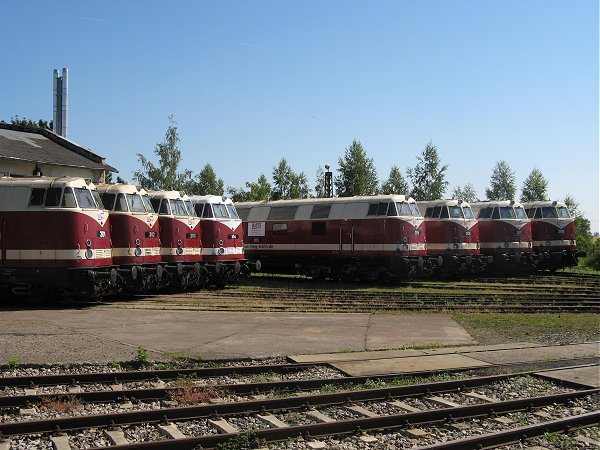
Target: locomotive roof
(42, 182)
(445, 202)
(496, 203)
(209, 199)
(124, 188)
(43, 146)
(320, 201)
(540, 204)
(171, 195)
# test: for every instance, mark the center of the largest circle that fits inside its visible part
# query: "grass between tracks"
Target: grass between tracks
(563, 328)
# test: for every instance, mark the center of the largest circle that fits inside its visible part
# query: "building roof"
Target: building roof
(45, 147)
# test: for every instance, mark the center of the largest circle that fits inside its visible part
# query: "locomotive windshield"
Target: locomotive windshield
(563, 212)
(135, 203)
(148, 203)
(232, 212)
(220, 211)
(178, 208)
(403, 209)
(85, 199)
(507, 212)
(190, 208)
(414, 209)
(97, 199)
(468, 212)
(520, 212)
(455, 212)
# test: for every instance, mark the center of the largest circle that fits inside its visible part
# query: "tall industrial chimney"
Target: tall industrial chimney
(60, 120)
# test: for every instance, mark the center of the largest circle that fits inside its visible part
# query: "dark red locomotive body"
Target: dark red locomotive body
(452, 236)
(505, 235)
(54, 238)
(180, 238)
(222, 238)
(135, 236)
(365, 237)
(553, 233)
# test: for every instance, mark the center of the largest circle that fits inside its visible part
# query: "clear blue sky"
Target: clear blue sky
(250, 82)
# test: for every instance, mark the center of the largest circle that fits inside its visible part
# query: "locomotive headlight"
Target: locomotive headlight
(89, 253)
(179, 251)
(88, 243)
(138, 251)
(221, 251)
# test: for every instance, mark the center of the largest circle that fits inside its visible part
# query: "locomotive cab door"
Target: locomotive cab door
(346, 242)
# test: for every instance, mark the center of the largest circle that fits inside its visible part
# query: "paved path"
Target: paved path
(100, 333)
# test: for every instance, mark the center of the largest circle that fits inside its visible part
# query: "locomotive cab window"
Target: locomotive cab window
(207, 213)
(520, 212)
(220, 211)
(495, 213)
(164, 207)
(382, 209)
(84, 198)
(108, 200)
(53, 197)
(455, 212)
(373, 209)
(97, 199)
(485, 213)
(403, 209)
(414, 209)
(68, 200)
(37, 197)
(392, 210)
(549, 212)
(563, 212)
(444, 213)
(198, 207)
(121, 203)
(280, 228)
(428, 212)
(135, 203)
(190, 208)
(178, 208)
(530, 212)
(148, 203)
(468, 212)
(155, 204)
(435, 214)
(232, 212)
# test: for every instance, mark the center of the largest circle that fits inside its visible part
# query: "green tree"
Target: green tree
(428, 176)
(466, 193)
(287, 184)
(166, 176)
(320, 182)
(582, 226)
(108, 178)
(207, 183)
(535, 187)
(261, 190)
(357, 174)
(28, 123)
(395, 184)
(502, 184)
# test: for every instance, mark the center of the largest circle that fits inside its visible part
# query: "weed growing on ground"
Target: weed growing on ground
(189, 395)
(240, 442)
(162, 366)
(62, 403)
(114, 364)
(13, 362)
(143, 356)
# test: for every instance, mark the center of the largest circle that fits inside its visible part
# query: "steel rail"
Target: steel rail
(520, 434)
(388, 422)
(193, 412)
(17, 401)
(148, 375)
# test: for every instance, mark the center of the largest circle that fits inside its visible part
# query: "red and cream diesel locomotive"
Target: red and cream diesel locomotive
(375, 237)
(222, 238)
(505, 235)
(180, 239)
(54, 239)
(553, 234)
(135, 236)
(452, 236)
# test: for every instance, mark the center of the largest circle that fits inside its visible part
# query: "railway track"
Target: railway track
(536, 293)
(407, 411)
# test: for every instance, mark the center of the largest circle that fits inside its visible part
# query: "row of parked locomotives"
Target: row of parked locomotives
(67, 237)
(392, 236)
